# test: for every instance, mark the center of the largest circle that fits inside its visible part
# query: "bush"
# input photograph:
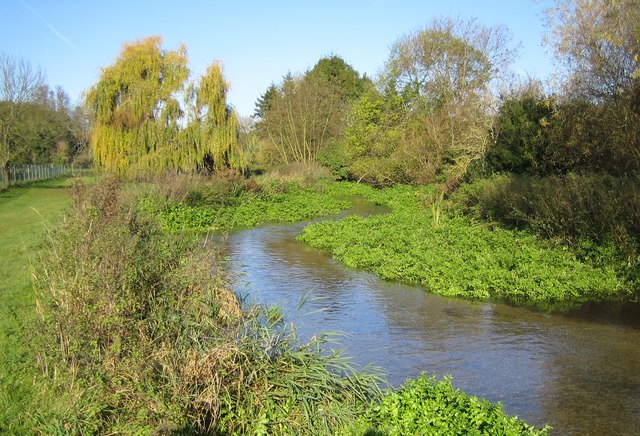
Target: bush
(597, 207)
(138, 336)
(428, 406)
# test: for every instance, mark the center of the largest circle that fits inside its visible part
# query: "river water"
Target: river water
(579, 372)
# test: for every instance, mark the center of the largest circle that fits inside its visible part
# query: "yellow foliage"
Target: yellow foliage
(140, 124)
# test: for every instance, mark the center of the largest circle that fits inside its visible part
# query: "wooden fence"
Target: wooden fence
(32, 173)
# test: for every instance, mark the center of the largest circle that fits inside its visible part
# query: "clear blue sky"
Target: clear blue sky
(257, 41)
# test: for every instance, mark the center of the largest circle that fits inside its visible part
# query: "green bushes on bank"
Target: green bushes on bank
(572, 207)
(137, 336)
(423, 243)
(428, 406)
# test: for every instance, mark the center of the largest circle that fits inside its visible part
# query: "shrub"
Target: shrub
(428, 406)
(138, 336)
(597, 207)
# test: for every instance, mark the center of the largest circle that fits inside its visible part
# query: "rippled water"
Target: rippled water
(578, 374)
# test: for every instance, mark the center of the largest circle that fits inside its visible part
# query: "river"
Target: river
(578, 372)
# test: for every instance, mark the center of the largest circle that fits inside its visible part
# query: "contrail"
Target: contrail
(53, 29)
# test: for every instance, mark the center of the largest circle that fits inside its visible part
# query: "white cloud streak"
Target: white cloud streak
(50, 27)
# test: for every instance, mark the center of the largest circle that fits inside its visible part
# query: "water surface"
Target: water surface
(579, 373)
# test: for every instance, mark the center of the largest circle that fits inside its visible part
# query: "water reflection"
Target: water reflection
(579, 375)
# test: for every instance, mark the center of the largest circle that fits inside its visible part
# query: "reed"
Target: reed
(137, 336)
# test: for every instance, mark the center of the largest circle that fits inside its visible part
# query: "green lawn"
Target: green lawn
(24, 214)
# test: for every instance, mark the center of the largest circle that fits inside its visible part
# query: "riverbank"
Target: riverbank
(425, 240)
(428, 242)
(142, 350)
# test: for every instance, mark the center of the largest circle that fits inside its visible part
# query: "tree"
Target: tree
(376, 135)
(140, 124)
(443, 75)
(135, 107)
(598, 43)
(216, 144)
(521, 131)
(265, 101)
(304, 115)
(19, 82)
(334, 71)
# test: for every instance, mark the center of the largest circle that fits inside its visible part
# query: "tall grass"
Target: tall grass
(137, 335)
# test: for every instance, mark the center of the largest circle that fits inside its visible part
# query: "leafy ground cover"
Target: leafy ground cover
(429, 406)
(423, 242)
(251, 209)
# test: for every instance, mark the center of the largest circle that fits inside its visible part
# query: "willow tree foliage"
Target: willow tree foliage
(216, 143)
(140, 123)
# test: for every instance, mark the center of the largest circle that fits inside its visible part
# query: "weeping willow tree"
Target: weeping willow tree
(212, 133)
(140, 125)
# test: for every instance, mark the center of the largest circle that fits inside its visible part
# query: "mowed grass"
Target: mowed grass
(25, 212)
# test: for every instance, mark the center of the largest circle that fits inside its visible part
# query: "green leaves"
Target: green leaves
(428, 406)
(459, 258)
(253, 209)
(140, 126)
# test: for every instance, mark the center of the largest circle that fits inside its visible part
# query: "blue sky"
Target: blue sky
(257, 41)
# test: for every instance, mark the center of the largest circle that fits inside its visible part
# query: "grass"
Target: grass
(24, 213)
(135, 336)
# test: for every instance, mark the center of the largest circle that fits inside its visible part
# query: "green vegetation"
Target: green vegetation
(140, 125)
(427, 406)
(24, 213)
(426, 240)
(224, 202)
(423, 243)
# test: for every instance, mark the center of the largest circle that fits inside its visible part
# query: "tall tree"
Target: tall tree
(598, 43)
(217, 143)
(522, 130)
(135, 106)
(304, 114)
(19, 83)
(443, 75)
(140, 124)
(265, 101)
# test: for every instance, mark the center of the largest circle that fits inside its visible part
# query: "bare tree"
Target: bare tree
(19, 83)
(302, 118)
(19, 80)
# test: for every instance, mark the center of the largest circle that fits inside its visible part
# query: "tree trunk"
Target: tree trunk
(5, 177)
